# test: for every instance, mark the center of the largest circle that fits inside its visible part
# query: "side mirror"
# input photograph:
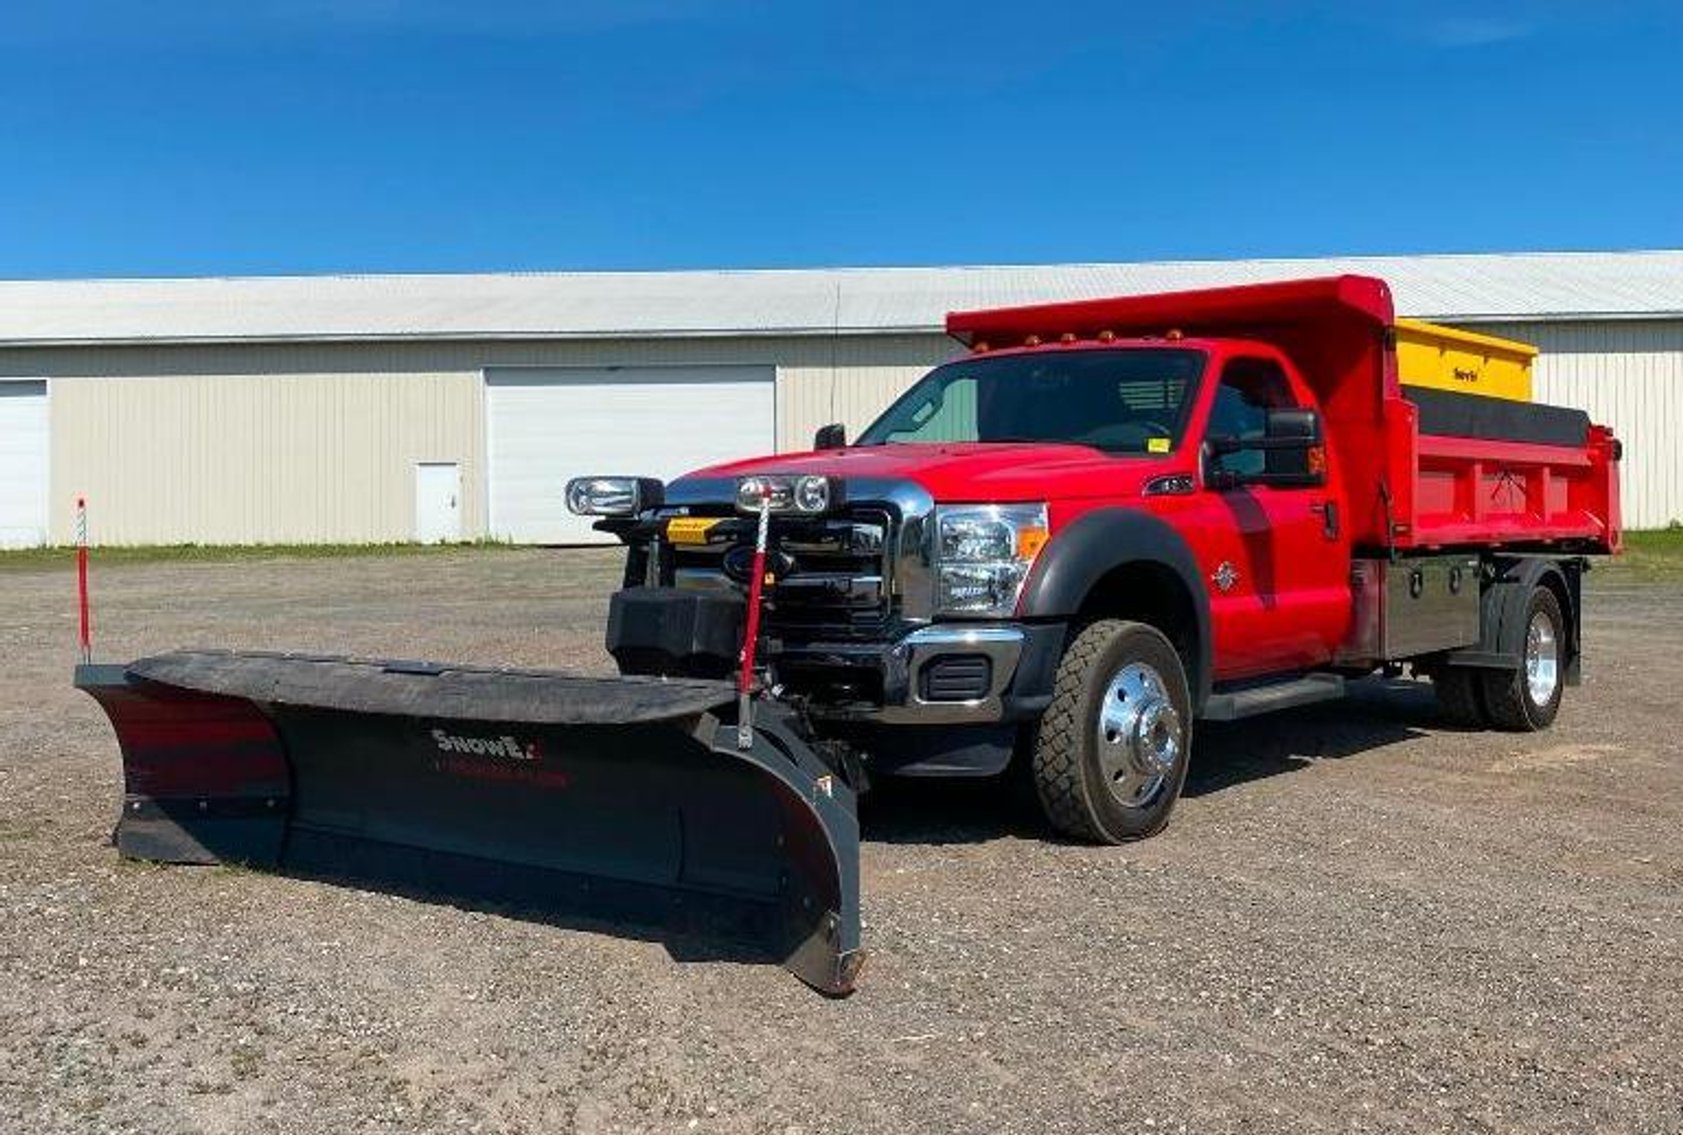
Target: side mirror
(832, 436)
(1293, 453)
(1294, 424)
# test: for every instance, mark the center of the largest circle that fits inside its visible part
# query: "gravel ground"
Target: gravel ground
(1359, 920)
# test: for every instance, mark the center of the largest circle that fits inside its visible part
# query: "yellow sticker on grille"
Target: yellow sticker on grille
(690, 529)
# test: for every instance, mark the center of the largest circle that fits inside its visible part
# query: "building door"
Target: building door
(23, 463)
(438, 502)
(548, 424)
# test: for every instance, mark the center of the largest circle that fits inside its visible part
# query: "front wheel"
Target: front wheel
(1111, 752)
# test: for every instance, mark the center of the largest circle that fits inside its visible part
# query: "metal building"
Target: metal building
(388, 408)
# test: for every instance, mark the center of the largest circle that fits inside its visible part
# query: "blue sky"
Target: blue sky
(260, 136)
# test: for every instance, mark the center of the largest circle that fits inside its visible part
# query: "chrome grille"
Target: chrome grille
(903, 510)
(840, 584)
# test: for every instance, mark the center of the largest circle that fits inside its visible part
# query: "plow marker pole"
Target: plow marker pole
(84, 625)
(751, 639)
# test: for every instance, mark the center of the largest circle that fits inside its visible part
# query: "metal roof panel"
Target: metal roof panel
(1520, 286)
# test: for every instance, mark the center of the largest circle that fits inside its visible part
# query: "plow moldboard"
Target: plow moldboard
(624, 800)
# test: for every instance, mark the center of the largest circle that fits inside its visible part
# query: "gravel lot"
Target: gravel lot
(1359, 920)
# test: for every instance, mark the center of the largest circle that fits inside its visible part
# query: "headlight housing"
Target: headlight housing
(613, 496)
(983, 554)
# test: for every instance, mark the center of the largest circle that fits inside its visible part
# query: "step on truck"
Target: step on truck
(1106, 521)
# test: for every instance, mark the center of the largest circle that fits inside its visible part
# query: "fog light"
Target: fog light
(810, 494)
(613, 496)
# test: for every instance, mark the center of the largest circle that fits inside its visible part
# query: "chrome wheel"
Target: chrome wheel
(1140, 735)
(1542, 659)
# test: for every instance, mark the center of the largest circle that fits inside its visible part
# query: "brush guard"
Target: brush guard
(628, 800)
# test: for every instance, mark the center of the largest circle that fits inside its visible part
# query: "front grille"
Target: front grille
(841, 582)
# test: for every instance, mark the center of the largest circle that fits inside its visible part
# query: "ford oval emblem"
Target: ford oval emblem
(739, 563)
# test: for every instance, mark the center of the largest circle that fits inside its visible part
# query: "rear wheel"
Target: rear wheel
(1460, 697)
(1527, 699)
(1111, 752)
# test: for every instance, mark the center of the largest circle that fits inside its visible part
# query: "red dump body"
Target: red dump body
(1447, 482)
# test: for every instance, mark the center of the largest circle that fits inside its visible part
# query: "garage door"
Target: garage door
(548, 425)
(23, 463)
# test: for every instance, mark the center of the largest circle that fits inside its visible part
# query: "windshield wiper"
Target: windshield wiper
(1010, 439)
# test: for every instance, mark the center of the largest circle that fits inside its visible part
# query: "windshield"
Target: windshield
(1132, 400)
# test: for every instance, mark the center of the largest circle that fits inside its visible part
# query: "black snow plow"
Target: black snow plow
(634, 801)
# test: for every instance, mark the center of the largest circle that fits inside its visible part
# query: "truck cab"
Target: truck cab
(1111, 518)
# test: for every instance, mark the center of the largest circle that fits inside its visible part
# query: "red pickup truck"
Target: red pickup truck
(1113, 518)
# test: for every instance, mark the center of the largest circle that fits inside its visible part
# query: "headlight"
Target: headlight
(811, 494)
(613, 496)
(983, 555)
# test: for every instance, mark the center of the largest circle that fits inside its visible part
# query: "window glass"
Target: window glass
(948, 414)
(1249, 389)
(1127, 400)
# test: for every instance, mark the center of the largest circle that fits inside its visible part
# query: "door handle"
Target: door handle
(1328, 512)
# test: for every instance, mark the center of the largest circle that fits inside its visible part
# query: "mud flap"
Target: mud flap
(617, 799)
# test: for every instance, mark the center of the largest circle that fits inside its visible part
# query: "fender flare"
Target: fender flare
(1097, 543)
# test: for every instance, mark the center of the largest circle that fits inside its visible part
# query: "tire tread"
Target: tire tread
(1059, 757)
(1057, 753)
(1507, 701)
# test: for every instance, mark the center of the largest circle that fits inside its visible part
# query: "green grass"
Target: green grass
(65, 557)
(1653, 554)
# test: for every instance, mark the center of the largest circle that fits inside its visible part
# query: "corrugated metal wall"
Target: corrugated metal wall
(296, 458)
(1627, 374)
(271, 443)
(317, 442)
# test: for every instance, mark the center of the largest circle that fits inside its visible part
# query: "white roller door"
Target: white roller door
(546, 425)
(23, 463)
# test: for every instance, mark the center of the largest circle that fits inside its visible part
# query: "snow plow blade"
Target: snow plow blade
(625, 800)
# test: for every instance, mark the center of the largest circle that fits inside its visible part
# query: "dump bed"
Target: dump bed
(1425, 465)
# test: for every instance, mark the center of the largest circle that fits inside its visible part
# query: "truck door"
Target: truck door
(1279, 568)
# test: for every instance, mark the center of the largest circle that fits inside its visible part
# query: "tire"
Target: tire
(1526, 700)
(1124, 787)
(1461, 697)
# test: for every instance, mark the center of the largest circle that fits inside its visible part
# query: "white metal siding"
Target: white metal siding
(317, 442)
(24, 441)
(548, 425)
(1627, 374)
(257, 459)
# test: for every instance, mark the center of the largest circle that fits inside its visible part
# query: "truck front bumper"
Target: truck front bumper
(941, 674)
